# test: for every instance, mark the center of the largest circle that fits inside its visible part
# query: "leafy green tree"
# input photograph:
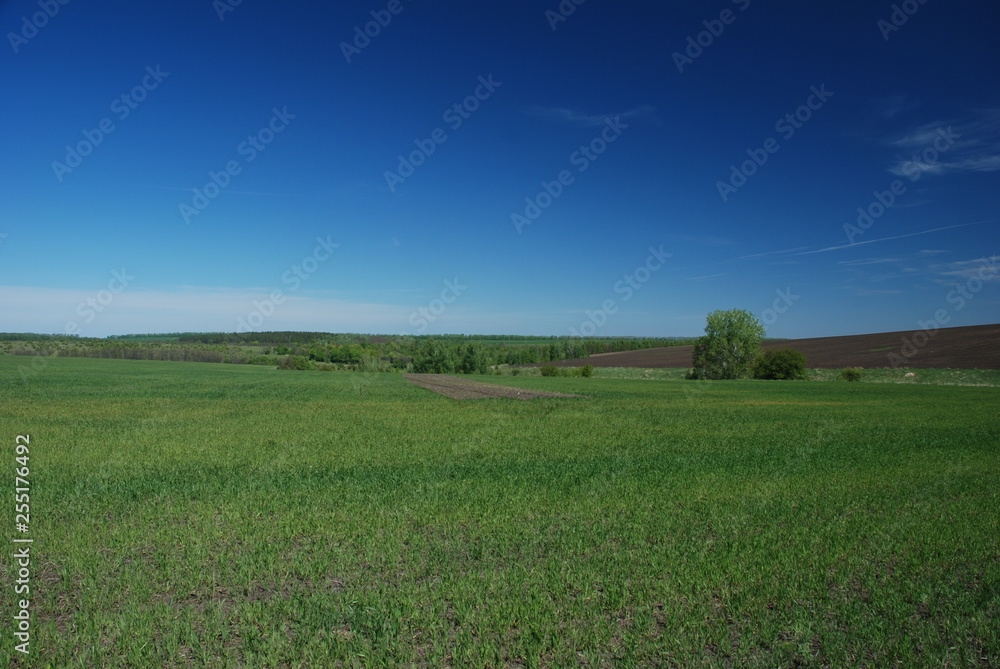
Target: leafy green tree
(730, 347)
(474, 360)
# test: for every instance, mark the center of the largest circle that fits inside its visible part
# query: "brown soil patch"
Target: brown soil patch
(972, 347)
(467, 389)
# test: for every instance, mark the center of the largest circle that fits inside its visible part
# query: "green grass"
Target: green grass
(223, 515)
(941, 377)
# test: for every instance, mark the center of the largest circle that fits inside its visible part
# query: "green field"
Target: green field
(230, 515)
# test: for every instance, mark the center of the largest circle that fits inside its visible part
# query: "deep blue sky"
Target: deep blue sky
(887, 97)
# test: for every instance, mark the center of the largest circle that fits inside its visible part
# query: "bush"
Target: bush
(550, 370)
(851, 374)
(781, 364)
(587, 371)
(296, 362)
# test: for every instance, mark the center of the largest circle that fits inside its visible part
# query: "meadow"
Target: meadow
(196, 514)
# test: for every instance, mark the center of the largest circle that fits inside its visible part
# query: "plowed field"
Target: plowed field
(973, 347)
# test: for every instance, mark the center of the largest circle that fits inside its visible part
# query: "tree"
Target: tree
(730, 347)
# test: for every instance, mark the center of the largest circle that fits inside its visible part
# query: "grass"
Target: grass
(222, 515)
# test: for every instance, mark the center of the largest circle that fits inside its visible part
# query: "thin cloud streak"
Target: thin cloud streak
(884, 239)
(583, 120)
(231, 191)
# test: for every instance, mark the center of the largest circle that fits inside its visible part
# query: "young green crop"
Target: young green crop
(229, 515)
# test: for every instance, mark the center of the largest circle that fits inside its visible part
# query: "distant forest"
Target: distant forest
(441, 354)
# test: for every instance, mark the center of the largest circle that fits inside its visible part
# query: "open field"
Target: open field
(467, 389)
(226, 515)
(974, 347)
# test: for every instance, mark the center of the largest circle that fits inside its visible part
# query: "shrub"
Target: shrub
(587, 371)
(515, 372)
(296, 362)
(550, 370)
(851, 374)
(781, 364)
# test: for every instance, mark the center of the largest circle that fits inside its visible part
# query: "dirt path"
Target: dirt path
(467, 389)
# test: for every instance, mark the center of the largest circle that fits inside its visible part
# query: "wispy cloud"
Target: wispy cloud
(884, 239)
(232, 191)
(805, 250)
(585, 120)
(976, 146)
(870, 292)
(868, 261)
(773, 253)
(703, 278)
(968, 269)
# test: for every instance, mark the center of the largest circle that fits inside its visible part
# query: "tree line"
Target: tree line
(302, 350)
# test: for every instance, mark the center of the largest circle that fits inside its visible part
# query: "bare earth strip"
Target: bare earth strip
(467, 389)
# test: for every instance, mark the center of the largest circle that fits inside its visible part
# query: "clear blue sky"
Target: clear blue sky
(311, 119)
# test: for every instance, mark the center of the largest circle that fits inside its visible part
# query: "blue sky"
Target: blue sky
(211, 166)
